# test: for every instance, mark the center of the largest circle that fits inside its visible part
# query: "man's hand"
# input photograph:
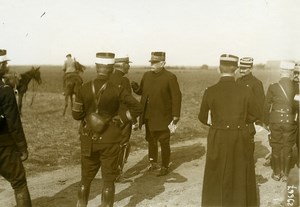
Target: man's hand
(134, 85)
(117, 121)
(24, 155)
(175, 120)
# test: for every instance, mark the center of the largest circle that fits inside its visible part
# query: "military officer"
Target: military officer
(248, 79)
(97, 106)
(279, 118)
(161, 101)
(118, 78)
(13, 145)
(229, 177)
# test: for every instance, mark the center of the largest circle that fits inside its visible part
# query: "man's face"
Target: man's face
(4, 67)
(157, 66)
(126, 67)
(244, 71)
(296, 76)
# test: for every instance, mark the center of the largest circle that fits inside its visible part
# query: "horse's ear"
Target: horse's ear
(38, 68)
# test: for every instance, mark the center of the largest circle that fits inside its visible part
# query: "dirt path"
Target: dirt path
(182, 187)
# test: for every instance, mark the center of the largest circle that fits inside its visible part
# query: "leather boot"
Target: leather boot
(23, 197)
(83, 196)
(107, 198)
(276, 168)
(286, 168)
(163, 171)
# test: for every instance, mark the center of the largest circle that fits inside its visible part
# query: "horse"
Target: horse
(73, 82)
(20, 83)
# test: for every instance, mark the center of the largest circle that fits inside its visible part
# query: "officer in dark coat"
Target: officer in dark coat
(227, 107)
(161, 101)
(248, 79)
(279, 115)
(13, 145)
(101, 149)
(118, 78)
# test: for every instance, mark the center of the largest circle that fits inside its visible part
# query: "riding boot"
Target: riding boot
(276, 167)
(83, 196)
(286, 168)
(23, 197)
(107, 198)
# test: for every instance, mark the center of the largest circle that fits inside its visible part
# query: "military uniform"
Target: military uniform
(279, 115)
(119, 80)
(296, 106)
(161, 101)
(12, 144)
(227, 107)
(102, 151)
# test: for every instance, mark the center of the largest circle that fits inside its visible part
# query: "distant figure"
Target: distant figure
(13, 145)
(118, 78)
(97, 107)
(69, 68)
(227, 107)
(279, 117)
(161, 101)
(249, 80)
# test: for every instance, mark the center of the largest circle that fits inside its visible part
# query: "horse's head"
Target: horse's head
(79, 67)
(36, 74)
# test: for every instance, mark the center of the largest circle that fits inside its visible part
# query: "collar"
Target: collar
(227, 79)
(119, 72)
(247, 77)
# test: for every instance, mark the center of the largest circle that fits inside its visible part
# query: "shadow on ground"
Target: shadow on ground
(145, 186)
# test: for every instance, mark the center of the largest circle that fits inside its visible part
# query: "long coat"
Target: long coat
(108, 107)
(161, 99)
(11, 130)
(229, 178)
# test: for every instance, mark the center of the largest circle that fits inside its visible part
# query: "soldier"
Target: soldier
(118, 78)
(248, 79)
(229, 177)
(13, 145)
(279, 118)
(161, 101)
(100, 132)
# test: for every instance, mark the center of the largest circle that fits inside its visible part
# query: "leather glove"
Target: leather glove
(24, 155)
(134, 85)
(117, 121)
(175, 120)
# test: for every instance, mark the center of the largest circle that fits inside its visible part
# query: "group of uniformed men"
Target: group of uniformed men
(108, 112)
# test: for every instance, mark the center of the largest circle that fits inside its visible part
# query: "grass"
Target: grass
(53, 140)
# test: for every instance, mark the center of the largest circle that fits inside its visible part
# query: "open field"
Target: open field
(53, 164)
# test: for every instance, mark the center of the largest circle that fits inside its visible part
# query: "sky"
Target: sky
(191, 32)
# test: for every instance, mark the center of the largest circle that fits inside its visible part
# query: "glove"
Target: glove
(117, 121)
(134, 85)
(135, 126)
(175, 120)
(24, 155)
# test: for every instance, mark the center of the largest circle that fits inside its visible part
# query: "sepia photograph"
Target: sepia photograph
(149, 103)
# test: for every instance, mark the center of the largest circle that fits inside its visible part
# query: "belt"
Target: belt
(282, 111)
(229, 126)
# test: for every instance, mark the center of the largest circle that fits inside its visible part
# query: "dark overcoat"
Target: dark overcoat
(229, 178)
(160, 98)
(11, 130)
(108, 107)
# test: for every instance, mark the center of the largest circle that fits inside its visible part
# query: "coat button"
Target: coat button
(288, 110)
(287, 115)
(287, 120)
(281, 120)
(238, 127)
(100, 138)
(227, 127)
(281, 114)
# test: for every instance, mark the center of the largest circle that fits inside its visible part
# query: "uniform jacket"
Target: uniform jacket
(108, 107)
(119, 80)
(160, 98)
(229, 178)
(258, 91)
(257, 88)
(278, 108)
(11, 130)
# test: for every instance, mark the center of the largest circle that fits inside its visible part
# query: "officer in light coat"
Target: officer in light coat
(279, 117)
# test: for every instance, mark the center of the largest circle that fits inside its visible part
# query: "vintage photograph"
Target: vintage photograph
(149, 103)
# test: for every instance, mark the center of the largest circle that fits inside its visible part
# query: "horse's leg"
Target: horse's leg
(20, 99)
(71, 97)
(66, 103)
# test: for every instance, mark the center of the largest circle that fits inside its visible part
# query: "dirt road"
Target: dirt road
(182, 187)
